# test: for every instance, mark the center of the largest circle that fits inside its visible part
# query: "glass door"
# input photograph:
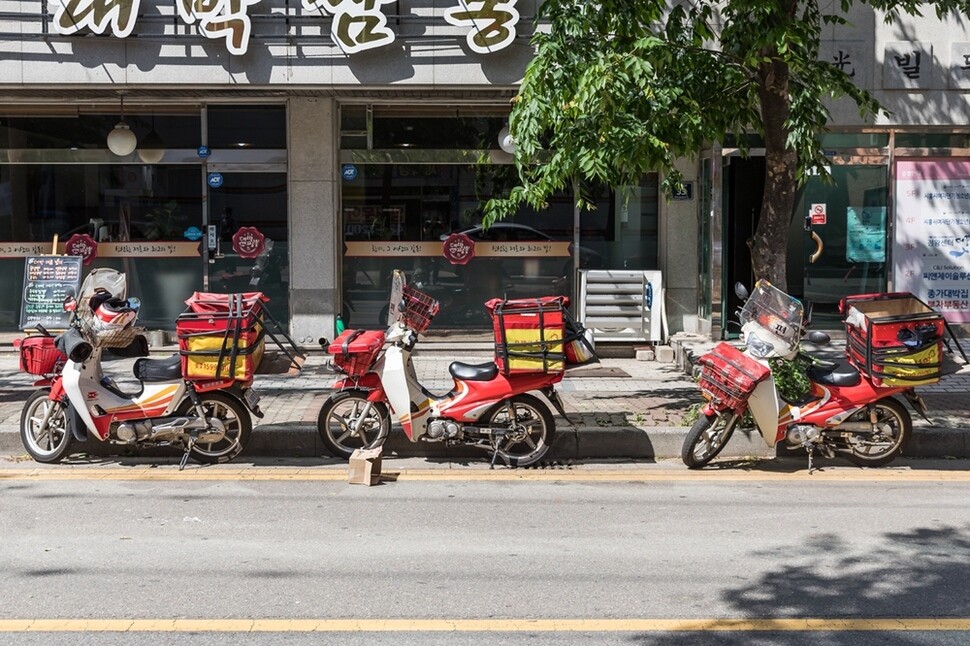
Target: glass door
(249, 212)
(838, 241)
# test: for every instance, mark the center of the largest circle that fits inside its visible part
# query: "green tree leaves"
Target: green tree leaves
(619, 88)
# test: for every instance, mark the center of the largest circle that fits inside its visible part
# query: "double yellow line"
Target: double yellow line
(483, 625)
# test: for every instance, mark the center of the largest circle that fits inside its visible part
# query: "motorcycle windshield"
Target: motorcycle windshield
(774, 311)
(395, 308)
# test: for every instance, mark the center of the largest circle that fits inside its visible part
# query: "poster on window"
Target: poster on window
(865, 234)
(931, 251)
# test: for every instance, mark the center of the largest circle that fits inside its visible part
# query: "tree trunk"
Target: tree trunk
(769, 246)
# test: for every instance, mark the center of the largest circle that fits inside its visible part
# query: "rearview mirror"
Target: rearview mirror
(741, 291)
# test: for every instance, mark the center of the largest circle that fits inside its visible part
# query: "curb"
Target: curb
(572, 443)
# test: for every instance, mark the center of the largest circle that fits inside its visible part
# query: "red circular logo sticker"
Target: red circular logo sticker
(248, 242)
(458, 249)
(81, 244)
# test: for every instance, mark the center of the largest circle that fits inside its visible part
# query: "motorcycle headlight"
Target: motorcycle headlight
(758, 348)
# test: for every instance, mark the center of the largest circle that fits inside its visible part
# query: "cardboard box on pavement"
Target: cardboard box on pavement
(365, 467)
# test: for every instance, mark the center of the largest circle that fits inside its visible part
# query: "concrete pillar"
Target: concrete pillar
(312, 133)
(678, 254)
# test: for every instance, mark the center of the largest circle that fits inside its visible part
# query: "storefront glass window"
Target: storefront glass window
(932, 140)
(247, 127)
(249, 211)
(88, 132)
(145, 219)
(397, 216)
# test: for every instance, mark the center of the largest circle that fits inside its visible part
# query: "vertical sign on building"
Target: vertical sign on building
(931, 252)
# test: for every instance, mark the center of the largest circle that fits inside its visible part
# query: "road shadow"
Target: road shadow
(919, 573)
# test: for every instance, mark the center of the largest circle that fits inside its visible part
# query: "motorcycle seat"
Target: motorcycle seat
(168, 369)
(839, 374)
(469, 372)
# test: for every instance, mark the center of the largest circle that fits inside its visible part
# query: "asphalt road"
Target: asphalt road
(655, 556)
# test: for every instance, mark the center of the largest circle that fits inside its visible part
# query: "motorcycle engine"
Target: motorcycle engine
(443, 429)
(801, 434)
(134, 431)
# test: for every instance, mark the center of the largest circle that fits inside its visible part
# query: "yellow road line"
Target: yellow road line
(149, 473)
(483, 625)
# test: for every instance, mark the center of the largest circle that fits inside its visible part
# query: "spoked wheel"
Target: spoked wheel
(45, 442)
(892, 430)
(707, 437)
(233, 416)
(529, 430)
(348, 422)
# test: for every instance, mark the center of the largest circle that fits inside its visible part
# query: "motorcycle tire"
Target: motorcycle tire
(335, 415)
(534, 429)
(47, 445)
(707, 437)
(889, 413)
(234, 414)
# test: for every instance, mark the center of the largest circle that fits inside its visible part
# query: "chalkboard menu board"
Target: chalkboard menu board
(48, 280)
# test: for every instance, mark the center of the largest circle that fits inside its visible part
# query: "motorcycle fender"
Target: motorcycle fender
(764, 406)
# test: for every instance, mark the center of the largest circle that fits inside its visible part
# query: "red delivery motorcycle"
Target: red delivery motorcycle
(198, 400)
(852, 408)
(489, 405)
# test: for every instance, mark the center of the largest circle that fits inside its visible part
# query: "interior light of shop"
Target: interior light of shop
(152, 148)
(121, 140)
(243, 144)
(505, 140)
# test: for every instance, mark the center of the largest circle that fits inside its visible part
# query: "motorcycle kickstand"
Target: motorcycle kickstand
(185, 456)
(811, 455)
(495, 447)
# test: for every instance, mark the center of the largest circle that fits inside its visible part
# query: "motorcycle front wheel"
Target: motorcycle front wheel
(892, 430)
(346, 423)
(527, 430)
(48, 443)
(707, 437)
(233, 415)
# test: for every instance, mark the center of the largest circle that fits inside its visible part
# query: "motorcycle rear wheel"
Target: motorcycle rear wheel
(234, 415)
(707, 437)
(894, 425)
(531, 429)
(335, 418)
(49, 444)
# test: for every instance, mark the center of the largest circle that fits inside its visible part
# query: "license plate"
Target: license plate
(251, 398)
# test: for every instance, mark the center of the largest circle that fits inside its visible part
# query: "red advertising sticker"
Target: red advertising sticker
(458, 249)
(81, 244)
(248, 242)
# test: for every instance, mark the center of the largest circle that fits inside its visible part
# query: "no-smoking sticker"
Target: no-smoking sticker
(818, 213)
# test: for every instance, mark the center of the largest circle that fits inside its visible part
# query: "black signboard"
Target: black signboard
(48, 280)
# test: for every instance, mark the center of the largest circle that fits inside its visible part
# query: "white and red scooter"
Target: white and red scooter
(846, 411)
(77, 402)
(486, 407)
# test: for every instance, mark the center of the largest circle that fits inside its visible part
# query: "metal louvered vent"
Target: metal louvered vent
(622, 305)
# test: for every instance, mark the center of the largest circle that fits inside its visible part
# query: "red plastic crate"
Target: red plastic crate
(39, 356)
(728, 377)
(875, 326)
(354, 351)
(529, 333)
(221, 335)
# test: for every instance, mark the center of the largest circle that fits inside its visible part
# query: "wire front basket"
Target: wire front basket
(417, 309)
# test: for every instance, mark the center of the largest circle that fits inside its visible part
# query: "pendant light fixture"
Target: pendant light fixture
(505, 140)
(152, 148)
(121, 140)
